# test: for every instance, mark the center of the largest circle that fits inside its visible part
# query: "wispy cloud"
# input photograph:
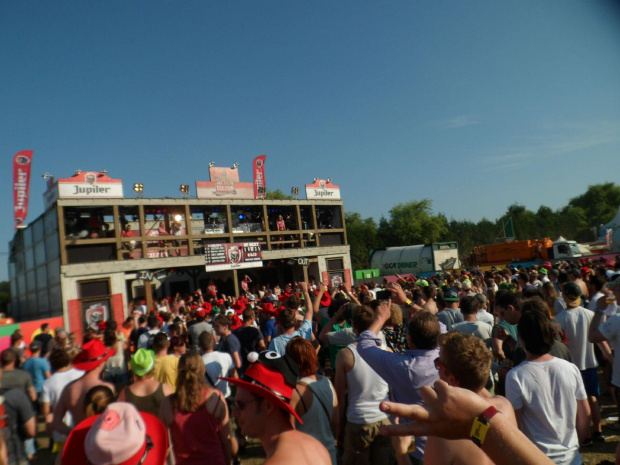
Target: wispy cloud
(554, 140)
(459, 122)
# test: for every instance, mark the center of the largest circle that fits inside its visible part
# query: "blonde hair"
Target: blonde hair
(396, 316)
(190, 382)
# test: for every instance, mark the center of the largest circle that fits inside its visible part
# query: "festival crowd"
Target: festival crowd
(499, 366)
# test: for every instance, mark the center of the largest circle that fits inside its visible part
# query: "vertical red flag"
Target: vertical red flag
(21, 185)
(259, 173)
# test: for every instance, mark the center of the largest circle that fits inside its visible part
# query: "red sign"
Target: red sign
(21, 185)
(224, 184)
(259, 174)
(233, 256)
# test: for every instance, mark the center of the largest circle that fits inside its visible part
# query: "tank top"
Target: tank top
(148, 404)
(195, 436)
(366, 391)
(317, 422)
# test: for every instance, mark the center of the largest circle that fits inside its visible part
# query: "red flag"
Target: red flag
(21, 185)
(259, 174)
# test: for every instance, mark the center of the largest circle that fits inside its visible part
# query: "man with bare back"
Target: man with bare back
(91, 360)
(262, 409)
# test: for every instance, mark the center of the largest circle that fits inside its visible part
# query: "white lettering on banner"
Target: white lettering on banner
(224, 186)
(20, 186)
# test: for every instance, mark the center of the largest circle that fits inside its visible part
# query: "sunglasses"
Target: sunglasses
(438, 364)
(241, 405)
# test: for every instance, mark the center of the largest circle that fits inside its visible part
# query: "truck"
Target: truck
(533, 250)
(416, 259)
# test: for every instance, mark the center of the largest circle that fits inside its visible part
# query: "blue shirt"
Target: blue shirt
(269, 329)
(280, 342)
(37, 367)
(405, 373)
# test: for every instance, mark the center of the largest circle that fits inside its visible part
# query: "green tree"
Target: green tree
(600, 203)
(412, 223)
(362, 238)
(277, 195)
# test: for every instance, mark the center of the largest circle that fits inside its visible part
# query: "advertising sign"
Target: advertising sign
(322, 189)
(95, 312)
(21, 185)
(83, 185)
(224, 184)
(259, 174)
(88, 185)
(233, 256)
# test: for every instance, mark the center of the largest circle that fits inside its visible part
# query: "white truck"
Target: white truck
(416, 259)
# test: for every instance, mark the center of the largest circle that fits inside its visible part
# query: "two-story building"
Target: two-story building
(92, 251)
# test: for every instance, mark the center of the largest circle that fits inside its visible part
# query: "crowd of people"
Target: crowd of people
(500, 366)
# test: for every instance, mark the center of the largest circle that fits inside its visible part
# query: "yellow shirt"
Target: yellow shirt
(165, 370)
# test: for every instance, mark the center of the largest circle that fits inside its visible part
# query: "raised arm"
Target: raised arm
(317, 301)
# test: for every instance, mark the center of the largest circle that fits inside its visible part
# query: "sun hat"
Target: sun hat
(142, 362)
(120, 435)
(543, 271)
(572, 294)
(92, 355)
(272, 377)
(238, 307)
(326, 299)
(207, 307)
(268, 308)
(546, 265)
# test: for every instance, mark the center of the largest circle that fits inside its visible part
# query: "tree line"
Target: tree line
(414, 222)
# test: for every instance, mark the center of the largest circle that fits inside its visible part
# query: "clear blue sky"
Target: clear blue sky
(475, 105)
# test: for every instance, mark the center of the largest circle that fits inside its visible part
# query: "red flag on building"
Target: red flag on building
(259, 174)
(21, 185)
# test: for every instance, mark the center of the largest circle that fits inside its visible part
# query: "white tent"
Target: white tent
(614, 223)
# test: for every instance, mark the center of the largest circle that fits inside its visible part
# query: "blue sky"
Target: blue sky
(475, 105)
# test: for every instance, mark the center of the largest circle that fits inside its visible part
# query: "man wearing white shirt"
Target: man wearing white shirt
(64, 374)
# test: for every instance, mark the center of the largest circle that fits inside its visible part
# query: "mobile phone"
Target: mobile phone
(384, 295)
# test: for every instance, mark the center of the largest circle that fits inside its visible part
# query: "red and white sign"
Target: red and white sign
(322, 189)
(259, 174)
(233, 256)
(224, 184)
(85, 184)
(21, 185)
(95, 313)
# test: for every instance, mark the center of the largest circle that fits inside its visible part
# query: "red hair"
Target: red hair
(304, 355)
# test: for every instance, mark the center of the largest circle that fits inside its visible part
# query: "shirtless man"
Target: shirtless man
(91, 360)
(464, 361)
(265, 412)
